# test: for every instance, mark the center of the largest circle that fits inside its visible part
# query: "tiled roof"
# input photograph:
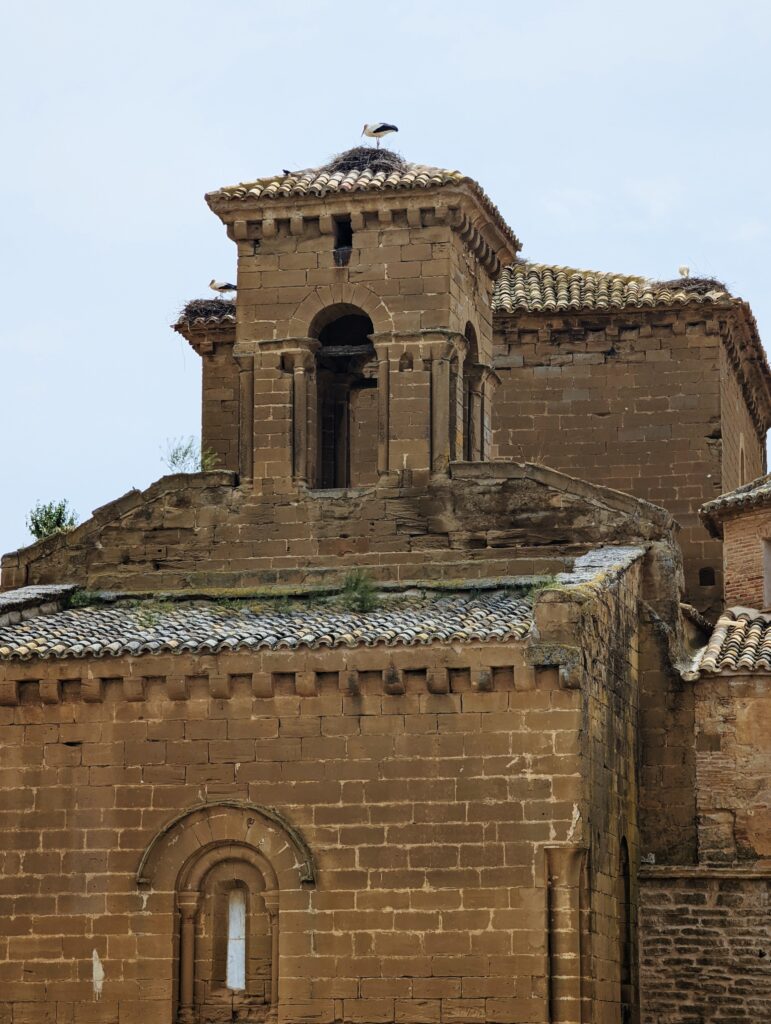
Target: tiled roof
(363, 169)
(755, 494)
(206, 627)
(536, 288)
(740, 642)
(321, 182)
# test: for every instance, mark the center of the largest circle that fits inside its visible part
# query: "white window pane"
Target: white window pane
(236, 970)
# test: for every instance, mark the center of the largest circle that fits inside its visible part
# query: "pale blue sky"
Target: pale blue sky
(615, 136)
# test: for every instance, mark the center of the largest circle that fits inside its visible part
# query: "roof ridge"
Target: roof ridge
(530, 287)
(564, 268)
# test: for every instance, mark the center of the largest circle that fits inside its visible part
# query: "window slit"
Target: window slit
(236, 963)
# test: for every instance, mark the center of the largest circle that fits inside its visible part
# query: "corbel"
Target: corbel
(92, 690)
(50, 691)
(393, 681)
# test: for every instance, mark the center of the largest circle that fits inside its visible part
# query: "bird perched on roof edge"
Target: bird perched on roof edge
(378, 129)
(684, 271)
(220, 287)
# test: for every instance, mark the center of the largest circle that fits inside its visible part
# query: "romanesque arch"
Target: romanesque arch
(224, 868)
(343, 294)
(344, 434)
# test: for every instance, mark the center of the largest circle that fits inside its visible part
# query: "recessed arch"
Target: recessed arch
(344, 429)
(203, 824)
(329, 296)
(336, 311)
(473, 411)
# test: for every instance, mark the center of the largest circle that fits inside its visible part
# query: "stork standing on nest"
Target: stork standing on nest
(378, 130)
(222, 287)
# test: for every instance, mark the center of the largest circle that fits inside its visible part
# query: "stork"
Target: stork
(220, 287)
(378, 129)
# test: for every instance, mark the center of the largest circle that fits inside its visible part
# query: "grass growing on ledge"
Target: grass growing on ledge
(358, 594)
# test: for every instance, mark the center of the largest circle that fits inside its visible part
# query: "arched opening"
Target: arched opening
(706, 576)
(346, 399)
(235, 940)
(228, 904)
(233, 954)
(187, 869)
(473, 401)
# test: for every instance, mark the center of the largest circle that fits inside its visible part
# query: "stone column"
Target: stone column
(300, 371)
(271, 905)
(246, 416)
(383, 407)
(488, 382)
(187, 904)
(457, 414)
(475, 420)
(440, 413)
(564, 865)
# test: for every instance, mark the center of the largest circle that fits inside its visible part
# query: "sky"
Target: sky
(612, 136)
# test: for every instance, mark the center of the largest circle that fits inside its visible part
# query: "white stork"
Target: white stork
(378, 130)
(220, 287)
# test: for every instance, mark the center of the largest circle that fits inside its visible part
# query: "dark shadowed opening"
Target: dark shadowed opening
(346, 402)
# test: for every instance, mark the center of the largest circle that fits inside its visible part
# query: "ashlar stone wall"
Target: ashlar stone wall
(427, 810)
(641, 401)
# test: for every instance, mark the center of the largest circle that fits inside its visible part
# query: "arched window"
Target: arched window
(473, 400)
(221, 868)
(235, 973)
(346, 400)
(228, 950)
(707, 576)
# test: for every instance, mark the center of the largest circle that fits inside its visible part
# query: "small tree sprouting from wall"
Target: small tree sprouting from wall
(187, 455)
(50, 517)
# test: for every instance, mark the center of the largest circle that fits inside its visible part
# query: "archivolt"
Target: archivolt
(226, 822)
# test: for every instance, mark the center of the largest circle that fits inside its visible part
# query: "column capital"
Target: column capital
(270, 897)
(188, 903)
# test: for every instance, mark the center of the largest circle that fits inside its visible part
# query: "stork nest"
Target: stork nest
(203, 309)
(366, 158)
(694, 285)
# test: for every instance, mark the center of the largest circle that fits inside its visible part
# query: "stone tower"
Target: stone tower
(363, 340)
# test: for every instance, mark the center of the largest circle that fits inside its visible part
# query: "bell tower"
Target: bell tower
(363, 334)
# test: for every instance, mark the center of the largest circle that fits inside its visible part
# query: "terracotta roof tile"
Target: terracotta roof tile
(321, 182)
(206, 627)
(537, 288)
(740, 642)
(363, 169)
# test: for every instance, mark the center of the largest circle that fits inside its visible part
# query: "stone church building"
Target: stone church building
(444, 697)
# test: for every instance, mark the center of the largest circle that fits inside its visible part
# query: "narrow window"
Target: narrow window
(235, 977)
(343, 241)
(707, 576)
